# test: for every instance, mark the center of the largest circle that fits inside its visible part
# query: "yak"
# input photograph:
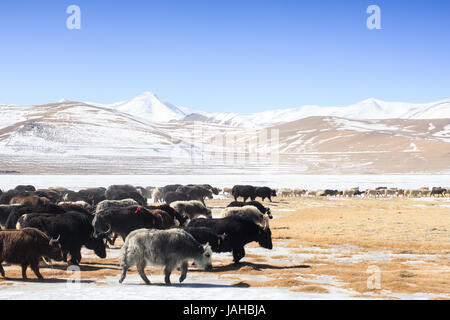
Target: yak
(26, 247)
(239, 231)
(168, 248)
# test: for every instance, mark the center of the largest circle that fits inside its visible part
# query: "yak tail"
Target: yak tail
(123, 255)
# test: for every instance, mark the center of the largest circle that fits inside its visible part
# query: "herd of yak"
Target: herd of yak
(55, 223)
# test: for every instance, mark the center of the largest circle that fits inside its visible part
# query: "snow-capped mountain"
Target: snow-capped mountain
(146, 136)
(148, 106)
(74, 128)
(367, 109)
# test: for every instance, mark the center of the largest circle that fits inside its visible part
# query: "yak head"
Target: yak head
(204, 259)
(268, 213)
(98, 243)
(54, 249)
(100, 225)
(265, 237)
(99, 236)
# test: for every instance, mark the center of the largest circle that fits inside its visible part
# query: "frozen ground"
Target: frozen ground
(199, 286)
(311, 182)
(194, 288)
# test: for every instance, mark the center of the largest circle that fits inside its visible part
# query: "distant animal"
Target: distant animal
(285, 193)
(447, 192)
(413, 193)
(86, 206)
(25, 188)
(261, 208)
(93, 196)
(239, 231)
(206, 186)
(226, 191)
(5, 197)
(106, 204)
(191, 209)
(144, 192)
(173, 196)
(30, 201)
(58, 189)
(72, 206)
(168, 248)
(195, 192)
(390, 192)
(26, 247)
(167, 219)
(54, 195)
(169, 188)
(348, 193)
(120, 192)
(249, 212)
(330, 192)
(372, 193)
(157, 195)
(72, 196)
(439, 191)
(311, 193)
(178, 219)
(265, 192)
(299, 192)
(244, 191)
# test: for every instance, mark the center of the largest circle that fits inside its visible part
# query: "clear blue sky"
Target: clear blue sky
(225, 55)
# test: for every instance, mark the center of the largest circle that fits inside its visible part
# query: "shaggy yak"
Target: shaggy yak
(169, 248)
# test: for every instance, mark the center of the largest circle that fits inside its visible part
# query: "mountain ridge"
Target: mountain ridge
(152, 108)
(74, 137)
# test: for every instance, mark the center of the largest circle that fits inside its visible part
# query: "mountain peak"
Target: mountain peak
(147, 94)
(148, 106)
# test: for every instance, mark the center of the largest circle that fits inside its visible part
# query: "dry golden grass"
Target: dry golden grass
(365, 226)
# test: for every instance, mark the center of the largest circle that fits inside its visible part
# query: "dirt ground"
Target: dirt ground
(375, 248)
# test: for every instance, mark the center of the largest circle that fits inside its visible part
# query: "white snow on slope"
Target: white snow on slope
(367, 109)
(148, 106)
(73, 128)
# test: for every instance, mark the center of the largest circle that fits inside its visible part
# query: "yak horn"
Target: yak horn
(54, 240)
(104, 234)
(266, 223)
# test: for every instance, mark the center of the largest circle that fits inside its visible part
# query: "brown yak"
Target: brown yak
(26, 247)
(31, 201)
